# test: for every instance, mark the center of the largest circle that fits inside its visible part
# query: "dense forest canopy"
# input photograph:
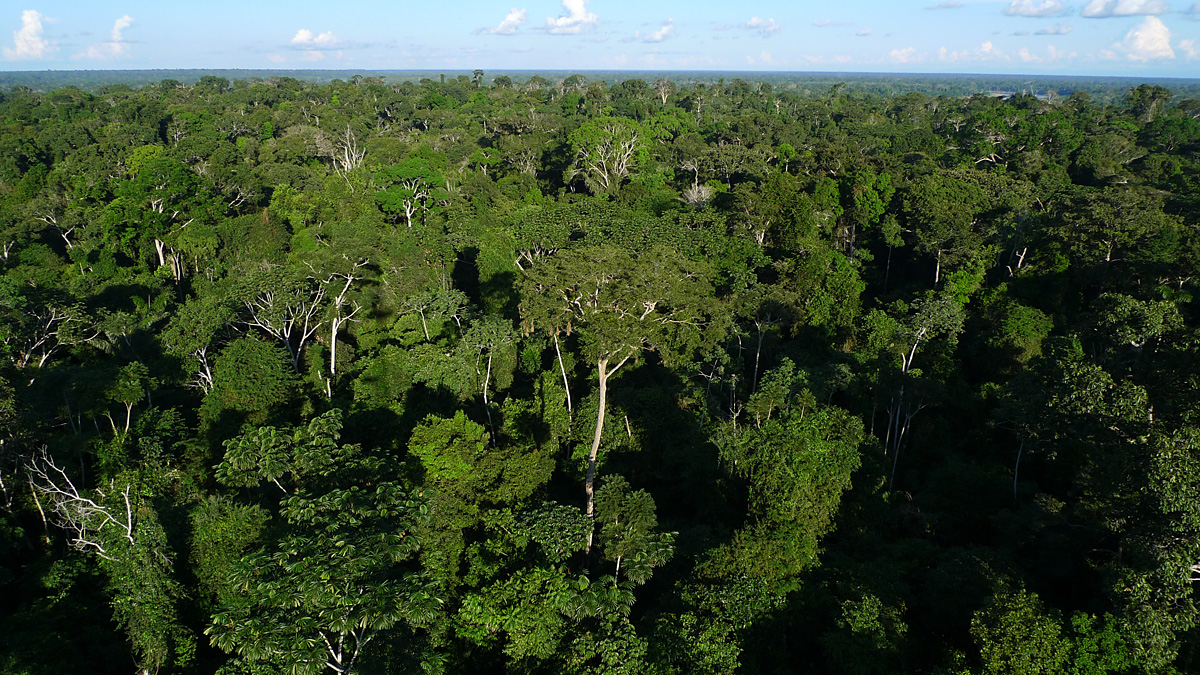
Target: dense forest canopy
(560, 375)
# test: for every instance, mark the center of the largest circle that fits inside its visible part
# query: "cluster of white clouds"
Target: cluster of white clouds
(1035, 8)
(306, 39)
(1102, 9)
(574, 19)
(1093, 9)
(312, 46)
(30, 41)
(1149, 40)
(764, 27)
(657, 36)
(988, 51)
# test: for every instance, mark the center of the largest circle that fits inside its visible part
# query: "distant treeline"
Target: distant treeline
(1102, 89)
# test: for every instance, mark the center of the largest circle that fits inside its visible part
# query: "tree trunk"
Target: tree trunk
(333, 331)
(1017, 469)
(589, 487)
(486, 407)
(563, 368)
(757, 354)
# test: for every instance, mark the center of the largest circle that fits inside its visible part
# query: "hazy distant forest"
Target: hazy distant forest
(562, 376)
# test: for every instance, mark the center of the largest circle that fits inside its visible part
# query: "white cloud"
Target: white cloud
(1100, 9)
(906, 55)
(822, 23)
(766, 57)
(312, 55)
(764, 27)
(658, 35)
(1051, 55)
(576, 19)
(948, 4)
(511, 22)
(306, 38)
(1056, 29)
(863, 33)
(1034, 8)
(1055, 54)
(28, 42)
(1194, 9)
(116, 45)
(986, 52)
(1189, 47)
(1150, 39)
(275, 58)
(947, 55)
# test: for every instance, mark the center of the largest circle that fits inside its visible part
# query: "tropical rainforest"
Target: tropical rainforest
(466, 376)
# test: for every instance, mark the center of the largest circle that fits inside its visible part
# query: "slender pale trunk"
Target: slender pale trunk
(1017, 468)
(590, 485)
(757, 354)
(487, 378)
(563, 368)
(333, 331)
(41, 512)
(937, 271)
(895, 454)
(486, 407)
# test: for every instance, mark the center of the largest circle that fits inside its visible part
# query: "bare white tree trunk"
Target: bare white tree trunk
(589, 487)
(563, 368)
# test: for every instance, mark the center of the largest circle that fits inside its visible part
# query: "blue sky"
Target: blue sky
(1095, 37)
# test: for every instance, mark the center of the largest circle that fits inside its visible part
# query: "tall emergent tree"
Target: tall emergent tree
(623, 305)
